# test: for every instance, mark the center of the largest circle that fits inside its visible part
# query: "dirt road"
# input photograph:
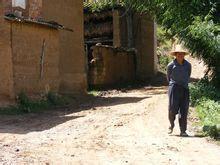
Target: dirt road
(128, 127)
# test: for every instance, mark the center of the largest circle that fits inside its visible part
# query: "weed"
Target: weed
(93, 93)
(27, 105)
(206, 98)
(164, 60)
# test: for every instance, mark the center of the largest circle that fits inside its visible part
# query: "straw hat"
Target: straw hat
(179, 49)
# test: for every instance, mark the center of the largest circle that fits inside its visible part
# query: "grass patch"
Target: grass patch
(164, 60)
(206, 100)
(164, 43)
(26, 105)
(203, 90)
(94, 93)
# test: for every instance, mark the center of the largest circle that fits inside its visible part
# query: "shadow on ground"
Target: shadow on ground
(23, 124)
(37, 122)
(190, 136)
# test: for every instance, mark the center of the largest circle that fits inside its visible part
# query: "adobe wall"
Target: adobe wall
(6, 75)
(145, 42)
(111, 66)
(117, 42)
(35, 8)
(7, 5)
(35, 72)
(73, 61)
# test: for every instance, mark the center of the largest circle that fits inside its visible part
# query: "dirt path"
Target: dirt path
(122, 128)
(128, 127)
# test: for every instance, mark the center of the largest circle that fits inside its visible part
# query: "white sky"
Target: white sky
(20, 3)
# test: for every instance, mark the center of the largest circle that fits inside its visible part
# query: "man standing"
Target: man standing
(178, 76)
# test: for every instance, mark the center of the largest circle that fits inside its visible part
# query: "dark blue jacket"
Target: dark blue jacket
(179, 74)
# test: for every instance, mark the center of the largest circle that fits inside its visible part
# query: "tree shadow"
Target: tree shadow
(24, 124)
(190, 136)
(37, 122)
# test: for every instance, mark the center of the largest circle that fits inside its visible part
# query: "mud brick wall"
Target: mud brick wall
(27, 47)
(35, 8)
(73, 61)
(145, 42)
(6, 76)
(7, 4)
(111, 66)
(146, 45)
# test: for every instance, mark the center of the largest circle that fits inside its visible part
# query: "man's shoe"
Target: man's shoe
(170, 130)
(184, 134)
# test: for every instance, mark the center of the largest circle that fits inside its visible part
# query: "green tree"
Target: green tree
(195, 22)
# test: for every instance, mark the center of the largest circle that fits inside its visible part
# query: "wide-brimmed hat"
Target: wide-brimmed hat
(178, 49)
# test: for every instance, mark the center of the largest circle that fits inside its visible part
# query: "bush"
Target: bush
(203, 90)
(27, 105)
(56, 100)
(24, 102)
(164, 61)
(164, 46)
(102, 5)
(206, 98)
(209, 114)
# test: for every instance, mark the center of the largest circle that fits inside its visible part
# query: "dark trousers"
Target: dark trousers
(178, 104)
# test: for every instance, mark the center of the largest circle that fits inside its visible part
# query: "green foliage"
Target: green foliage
(24, 102)
(203, 39)
(164, 42)
(56, 100)
(164, 60)
(164, 38)
(196, 23)
(211, 131)
(209, 114)
(203, 90)
(206, 98)
(93, 93)
(101, 5)
(27, 105)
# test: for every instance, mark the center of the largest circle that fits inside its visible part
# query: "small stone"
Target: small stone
(72, 155)
(17, 150)
(6, 145)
